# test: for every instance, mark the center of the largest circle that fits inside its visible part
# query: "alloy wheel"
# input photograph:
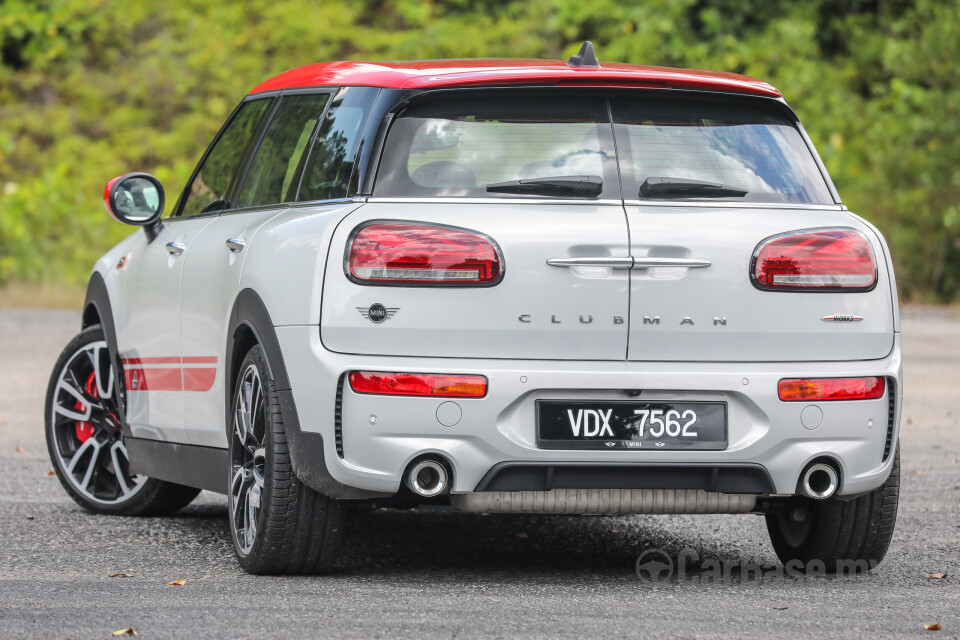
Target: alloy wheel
(248, 457)
(88, 441)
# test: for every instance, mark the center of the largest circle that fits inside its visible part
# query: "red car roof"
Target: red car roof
(427, 74)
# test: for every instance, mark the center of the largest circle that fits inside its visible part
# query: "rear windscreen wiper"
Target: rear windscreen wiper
(574, 186)
(682, 188)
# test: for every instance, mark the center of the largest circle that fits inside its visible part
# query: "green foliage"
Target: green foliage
(90, 89)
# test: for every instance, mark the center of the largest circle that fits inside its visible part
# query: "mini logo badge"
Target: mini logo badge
(377, 313)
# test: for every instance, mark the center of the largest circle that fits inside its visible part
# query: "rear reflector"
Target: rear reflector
(418, 384)
(808, 390)
(829, 259)
(402, 253)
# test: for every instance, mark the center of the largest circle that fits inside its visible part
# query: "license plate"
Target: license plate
(618, 425)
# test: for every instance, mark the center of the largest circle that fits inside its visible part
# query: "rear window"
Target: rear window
(460, 146)
(690, 147)
(739, 144)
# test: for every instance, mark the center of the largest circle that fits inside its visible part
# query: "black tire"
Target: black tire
(295, 529)
(845, 535)
(111, 488)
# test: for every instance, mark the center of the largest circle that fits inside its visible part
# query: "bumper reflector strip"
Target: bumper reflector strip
(418, 384)
(818, 389)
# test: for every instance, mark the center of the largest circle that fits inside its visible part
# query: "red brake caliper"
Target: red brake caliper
(85, 429)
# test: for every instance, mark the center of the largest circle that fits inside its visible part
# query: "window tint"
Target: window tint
(332, 159)
(737, 144)
(208, 190)
(271, 176)
(457, 146)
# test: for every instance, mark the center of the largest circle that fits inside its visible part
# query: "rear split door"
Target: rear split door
(707, 182)
(495, 231)
(531, 310)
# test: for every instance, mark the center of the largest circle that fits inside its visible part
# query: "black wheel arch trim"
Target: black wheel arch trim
(98, 310)
(306, 448)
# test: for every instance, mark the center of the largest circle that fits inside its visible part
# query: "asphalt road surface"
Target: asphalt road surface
(443, 574)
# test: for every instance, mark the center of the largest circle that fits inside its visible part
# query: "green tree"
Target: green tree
(90, 89)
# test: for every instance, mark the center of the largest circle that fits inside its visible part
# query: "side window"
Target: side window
(331, 161)
(270, 178)
(208, 190)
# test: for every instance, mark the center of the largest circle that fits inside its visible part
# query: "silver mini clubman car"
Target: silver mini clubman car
(526, 286)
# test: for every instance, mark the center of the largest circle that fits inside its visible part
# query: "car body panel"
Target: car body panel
(536, 311)
(148, 332)
(285, 266)
(382, 434)
(717, 314)
(211, 282)
(430, 74)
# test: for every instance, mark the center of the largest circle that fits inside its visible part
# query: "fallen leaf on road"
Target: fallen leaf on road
(3, 423)
(177, 583)
(120, 575)
(615, 531)
(932, 627)
(124, 632)
(909, 420)
(916, 472)
(51, 473)
(21, 450)
(521, 535)
(937, 576)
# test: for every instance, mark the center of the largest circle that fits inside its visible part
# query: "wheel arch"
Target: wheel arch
(98, 310)
(250, 325)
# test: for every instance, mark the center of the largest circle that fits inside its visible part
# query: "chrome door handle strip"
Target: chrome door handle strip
(236, 244)
(691, 263)
(628, 262)
(603, 261)
(176, 248)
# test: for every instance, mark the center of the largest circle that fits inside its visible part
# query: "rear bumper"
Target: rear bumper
(368, 441)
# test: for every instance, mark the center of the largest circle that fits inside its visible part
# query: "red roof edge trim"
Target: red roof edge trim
(464, 73)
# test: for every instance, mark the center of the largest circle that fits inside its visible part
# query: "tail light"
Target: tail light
(405, 253)
(418, 384)
(819, 260)
(807, 390)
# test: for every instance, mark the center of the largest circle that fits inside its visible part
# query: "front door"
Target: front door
(148, 332)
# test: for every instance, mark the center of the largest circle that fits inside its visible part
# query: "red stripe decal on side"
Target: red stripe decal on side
(153, 379)
(142, 374)
(198, 379)
(167, 360)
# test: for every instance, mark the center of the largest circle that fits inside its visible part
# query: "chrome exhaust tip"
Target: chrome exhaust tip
(819, 481)
(428, 479)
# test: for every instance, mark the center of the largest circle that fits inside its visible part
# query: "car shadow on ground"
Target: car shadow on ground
(406, 542)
